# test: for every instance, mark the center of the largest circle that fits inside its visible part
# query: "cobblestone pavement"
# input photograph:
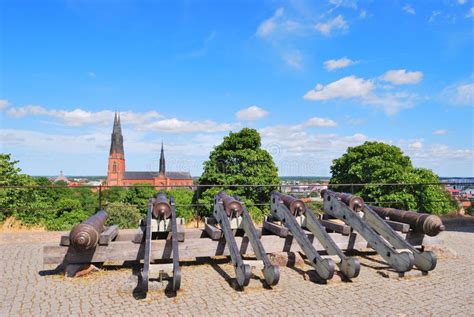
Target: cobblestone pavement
(28, 288)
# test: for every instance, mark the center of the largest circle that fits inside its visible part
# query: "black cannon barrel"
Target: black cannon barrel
(355, 203)
(231, 205)
(419, 222)
(86, 235)
(296, 206)
(161, 207)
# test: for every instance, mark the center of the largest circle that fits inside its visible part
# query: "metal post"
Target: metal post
(100, 197)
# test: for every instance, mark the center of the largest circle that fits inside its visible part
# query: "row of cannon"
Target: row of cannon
(289, 216)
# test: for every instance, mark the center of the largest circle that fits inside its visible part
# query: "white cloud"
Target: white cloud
(470, 13)
(460, 94)
(344, 88)
(333, 64)
(363, 14)
(402, 77)
(344, 3)
(465, 94)
(269, 26)
(391, 103)
(91, 74)
(433, 16)
(416, 145)
(294, 59)
(79, 117)
(440, 132)
(3, 104)
(320, 122)
(409, 9)
(338, 23)
(203, 48)
(251, 113)
(284, 131)
(142, 121)
(461, 2)
(364, 91)
(175, 125)
(298, 152)
(54, 143)
(439, 157)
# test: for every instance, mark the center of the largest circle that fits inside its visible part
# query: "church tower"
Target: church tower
(162, 171)
(116, 167)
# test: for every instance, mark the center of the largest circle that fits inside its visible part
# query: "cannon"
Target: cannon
(354, 203)
(396, 251)
(161, 207)
(231, 205)
(85, 235)
(295, 206)
(161, 217)
(231, 215)
(430, 225)
(295, 216)
(306, 218)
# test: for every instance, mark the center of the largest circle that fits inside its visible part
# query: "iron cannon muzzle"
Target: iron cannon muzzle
(296, 206)
(355, 203)
(231, 205)
(85, 235)
(420, 222)
(161, 207)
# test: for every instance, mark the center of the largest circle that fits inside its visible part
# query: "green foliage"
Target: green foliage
(113, 194)
(12, 199)
(56, 208)
(61, 207)
(183, 198)
(380, 163)
(470, 210)
(238, 160)
(315, 206)
(124, 215)
(66, 220)
(138, 195)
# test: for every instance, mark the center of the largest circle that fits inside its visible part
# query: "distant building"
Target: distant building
(454, 192)
(118, 176)
(61, 178)
(468, 192)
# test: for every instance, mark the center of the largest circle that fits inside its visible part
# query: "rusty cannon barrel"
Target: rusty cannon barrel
(85, 235)
(419, 222)
(296, 206)
(231, 205)
(161, 207)
(355, 203)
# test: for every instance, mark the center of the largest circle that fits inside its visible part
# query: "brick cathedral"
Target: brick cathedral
(118, 176)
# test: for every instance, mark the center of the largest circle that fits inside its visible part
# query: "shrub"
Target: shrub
(124, 215)
(66, 221)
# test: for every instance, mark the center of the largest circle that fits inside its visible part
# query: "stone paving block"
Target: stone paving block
(29, 289)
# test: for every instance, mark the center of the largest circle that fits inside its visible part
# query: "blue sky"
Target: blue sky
(314, 77)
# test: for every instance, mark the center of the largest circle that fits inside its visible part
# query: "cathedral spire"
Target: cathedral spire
(162, 161)
(116, 145)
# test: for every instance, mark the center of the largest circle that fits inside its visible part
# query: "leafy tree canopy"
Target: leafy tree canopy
(238, 160)
(12, 199)
(380, 163)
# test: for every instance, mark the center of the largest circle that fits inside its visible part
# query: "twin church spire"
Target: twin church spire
(116, 144)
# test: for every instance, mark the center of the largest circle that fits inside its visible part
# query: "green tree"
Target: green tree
(12, 200)
(470, 210)
(379, 163)
(183, 199)
(124, 215)
(138, 195)
(239, 160)
(113, 194)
